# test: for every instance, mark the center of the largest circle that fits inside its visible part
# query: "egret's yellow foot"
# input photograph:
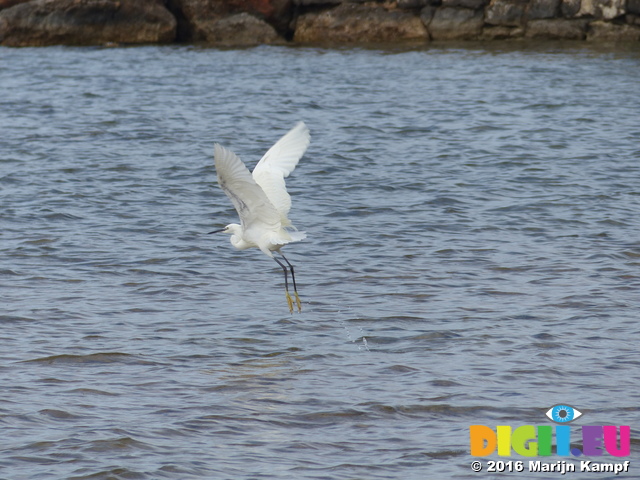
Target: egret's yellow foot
(298, 303)
(289, 302)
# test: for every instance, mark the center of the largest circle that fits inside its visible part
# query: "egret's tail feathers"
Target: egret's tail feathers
(281, 239)
(297, 236)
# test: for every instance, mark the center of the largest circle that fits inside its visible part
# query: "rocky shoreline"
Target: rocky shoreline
(338, 22)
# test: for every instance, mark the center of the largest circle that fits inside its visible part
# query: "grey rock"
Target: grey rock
(416, 3)
(633, 6)
(11, 3)
(306, 3)
(241, 29)
(427, 13)
(197, 17)
(610, 32)
(86, 22)
(543, 9)
(559, 29)
(569, 8)
(355, 23)
(602, 9)
(507, 13)
(497, 32)
(632, 19)
(456, 24)
(473, 4)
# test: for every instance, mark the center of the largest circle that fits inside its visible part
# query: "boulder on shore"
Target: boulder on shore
(610, 32)
(358, 23)
(505, 13)
(557, 29)
(211, 20)
(602, 9)
(240, 30)
(456, 24)
(86, 22)
(11, 3)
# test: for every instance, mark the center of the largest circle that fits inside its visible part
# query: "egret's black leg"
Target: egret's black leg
(284, 269)
(293, 277)
(286, 284)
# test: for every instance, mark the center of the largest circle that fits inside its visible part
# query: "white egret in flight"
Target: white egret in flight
(261, 199)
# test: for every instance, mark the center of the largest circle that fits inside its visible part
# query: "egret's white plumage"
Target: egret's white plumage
(261, 197)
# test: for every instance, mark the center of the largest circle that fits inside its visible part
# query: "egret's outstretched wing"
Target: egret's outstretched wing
(276, 165)
(246, 195)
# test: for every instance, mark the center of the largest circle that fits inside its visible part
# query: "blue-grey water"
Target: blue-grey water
(473, 257)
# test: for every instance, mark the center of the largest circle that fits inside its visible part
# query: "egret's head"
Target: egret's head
(230, 229)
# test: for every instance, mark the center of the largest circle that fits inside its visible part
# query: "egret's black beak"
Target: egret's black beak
(217, 231)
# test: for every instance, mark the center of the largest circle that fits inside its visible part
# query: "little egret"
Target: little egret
(261, 199)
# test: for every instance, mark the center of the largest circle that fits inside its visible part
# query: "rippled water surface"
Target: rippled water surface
(473, 257)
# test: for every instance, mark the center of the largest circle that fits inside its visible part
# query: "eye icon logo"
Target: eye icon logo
(563, 414)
